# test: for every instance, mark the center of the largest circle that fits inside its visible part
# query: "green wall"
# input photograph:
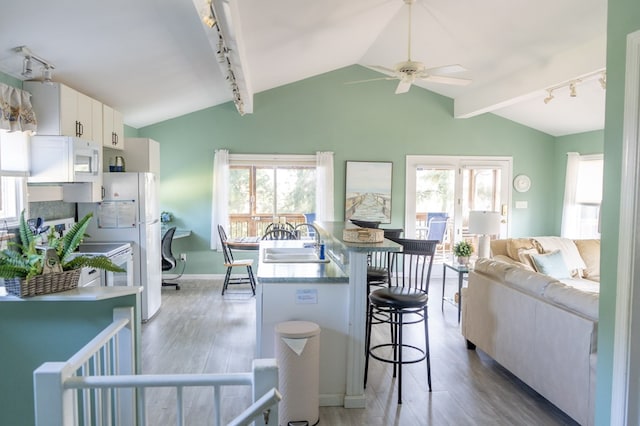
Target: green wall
(358, 122)
(582, 143)
(623, 18)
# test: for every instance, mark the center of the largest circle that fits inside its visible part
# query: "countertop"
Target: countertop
(80, 294)
(336, 249)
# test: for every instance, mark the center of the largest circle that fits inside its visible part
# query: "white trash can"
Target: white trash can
(297, 350)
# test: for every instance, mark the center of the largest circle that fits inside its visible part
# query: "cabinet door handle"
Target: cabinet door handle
(81, 128)
(114, 141)
(77, 128)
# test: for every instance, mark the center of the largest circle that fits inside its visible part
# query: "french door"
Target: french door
(451, 186)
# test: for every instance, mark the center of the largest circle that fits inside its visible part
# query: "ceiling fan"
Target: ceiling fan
(410, 71)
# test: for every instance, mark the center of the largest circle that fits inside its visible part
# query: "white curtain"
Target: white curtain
(16, 112)
(220, 197)
(324, 186)
(570, 212)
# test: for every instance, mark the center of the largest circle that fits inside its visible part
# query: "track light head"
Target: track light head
(549, 96)
(27, 70)
(572, 89)
(603, 81)
(46, 75)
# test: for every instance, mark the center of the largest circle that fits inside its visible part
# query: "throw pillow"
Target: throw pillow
(590, 253)
(551, 264)
(524, 255)
(515, 244)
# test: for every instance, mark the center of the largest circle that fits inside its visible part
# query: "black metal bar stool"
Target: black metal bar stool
(403, 303)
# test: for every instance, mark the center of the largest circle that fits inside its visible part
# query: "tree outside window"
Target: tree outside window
(260, 195)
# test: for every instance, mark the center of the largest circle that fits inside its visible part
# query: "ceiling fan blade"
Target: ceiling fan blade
(403, 86)
(447, 80)
(446, 69)
(371, 79)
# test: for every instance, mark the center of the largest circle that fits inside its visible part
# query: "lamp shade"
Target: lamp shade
(484, 223)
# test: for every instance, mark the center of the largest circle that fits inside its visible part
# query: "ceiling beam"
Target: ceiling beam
(532, 81)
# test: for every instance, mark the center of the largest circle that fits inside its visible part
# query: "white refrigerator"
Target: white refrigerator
(129, 211)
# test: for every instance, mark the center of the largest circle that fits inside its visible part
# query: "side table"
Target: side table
(462, 270)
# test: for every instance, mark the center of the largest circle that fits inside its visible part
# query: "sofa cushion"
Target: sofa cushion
(507, 259)
(493, 268)
(568, 248)
(590, 253)
(551, 264)
(515, 244)
(528, 281)
(579, 301)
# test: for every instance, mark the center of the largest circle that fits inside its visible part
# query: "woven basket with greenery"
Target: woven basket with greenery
(31, 268)
(43, 284)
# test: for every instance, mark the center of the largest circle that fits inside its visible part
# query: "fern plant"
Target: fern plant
(25, 259)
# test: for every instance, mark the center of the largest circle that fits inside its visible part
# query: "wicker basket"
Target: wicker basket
(363, 235)
(43, 284)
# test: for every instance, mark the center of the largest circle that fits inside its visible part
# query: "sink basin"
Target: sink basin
(291, 255)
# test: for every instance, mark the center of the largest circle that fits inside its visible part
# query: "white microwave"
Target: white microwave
(58, 159)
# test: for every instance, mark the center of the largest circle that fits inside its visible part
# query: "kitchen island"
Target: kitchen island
(333, 295)
(51, 327)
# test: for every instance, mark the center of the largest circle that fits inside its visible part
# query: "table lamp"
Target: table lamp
(484, 224)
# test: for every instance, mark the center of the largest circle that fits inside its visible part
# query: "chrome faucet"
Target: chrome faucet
(315, 229)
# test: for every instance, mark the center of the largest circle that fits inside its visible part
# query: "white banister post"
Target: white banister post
(53, 405)
(265, 378)
(125, 365)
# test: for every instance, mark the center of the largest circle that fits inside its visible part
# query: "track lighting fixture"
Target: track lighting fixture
(225, 57)
(573, 85)
(27, 64)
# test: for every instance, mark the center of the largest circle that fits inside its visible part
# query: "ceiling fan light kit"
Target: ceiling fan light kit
(409, 71)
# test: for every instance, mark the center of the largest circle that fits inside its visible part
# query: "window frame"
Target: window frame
(256, 222)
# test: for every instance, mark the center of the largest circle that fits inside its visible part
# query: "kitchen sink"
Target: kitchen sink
(292, 255)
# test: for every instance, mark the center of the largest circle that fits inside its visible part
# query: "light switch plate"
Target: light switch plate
(522, 204)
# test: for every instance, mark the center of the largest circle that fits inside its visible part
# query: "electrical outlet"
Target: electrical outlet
(183, 257)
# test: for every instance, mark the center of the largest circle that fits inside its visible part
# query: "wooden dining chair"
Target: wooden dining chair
(230, 263)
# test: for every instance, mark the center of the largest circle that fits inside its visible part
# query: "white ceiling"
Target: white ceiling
(152, 60)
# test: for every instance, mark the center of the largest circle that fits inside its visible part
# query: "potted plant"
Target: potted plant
(31, 267)
(463, 250)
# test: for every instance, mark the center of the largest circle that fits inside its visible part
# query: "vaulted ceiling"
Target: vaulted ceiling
(155, 59)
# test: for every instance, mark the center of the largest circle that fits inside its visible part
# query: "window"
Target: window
(267, 188)
(14, 164)
(583, 195)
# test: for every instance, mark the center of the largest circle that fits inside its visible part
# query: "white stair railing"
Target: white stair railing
(97, 386)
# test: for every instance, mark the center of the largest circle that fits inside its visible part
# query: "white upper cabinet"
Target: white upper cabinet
(142, 155)
(113, 128)
(63, 111)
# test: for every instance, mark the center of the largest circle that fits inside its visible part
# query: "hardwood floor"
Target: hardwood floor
(199, 331)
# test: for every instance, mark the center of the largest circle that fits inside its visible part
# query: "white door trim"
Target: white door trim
(624, 395)
(454, 162)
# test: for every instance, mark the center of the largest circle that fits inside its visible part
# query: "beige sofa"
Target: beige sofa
(542, 329)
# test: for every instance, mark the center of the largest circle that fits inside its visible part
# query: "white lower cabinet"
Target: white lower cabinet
(325, 304)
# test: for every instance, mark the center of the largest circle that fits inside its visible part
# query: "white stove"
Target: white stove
(120, 254)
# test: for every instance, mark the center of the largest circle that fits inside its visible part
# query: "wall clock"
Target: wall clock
(522, 183)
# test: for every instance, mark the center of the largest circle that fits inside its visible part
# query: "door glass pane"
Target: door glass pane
(434, 194)
(480, 191)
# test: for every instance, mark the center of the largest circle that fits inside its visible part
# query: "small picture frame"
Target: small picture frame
(368, 191)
